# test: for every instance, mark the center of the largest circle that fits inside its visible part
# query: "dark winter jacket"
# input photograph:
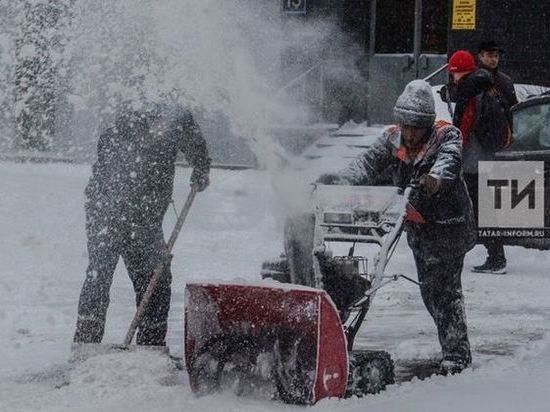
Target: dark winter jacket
(449, 228)
(466, 115)
(505, 87)
(132, 179)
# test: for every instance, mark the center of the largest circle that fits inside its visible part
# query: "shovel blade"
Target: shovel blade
(288, 335)
(80, 352)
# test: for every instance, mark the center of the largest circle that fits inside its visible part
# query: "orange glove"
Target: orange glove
(413, 215)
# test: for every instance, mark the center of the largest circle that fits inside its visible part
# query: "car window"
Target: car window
(532, 127)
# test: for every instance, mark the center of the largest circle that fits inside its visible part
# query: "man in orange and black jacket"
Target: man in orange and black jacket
(419, 149)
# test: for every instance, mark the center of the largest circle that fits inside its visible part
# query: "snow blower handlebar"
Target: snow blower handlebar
(382, 258)
(393, 236)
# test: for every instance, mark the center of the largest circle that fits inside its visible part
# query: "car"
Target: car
(531, 142)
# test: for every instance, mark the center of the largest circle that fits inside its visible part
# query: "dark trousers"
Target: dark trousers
(141, 248)
(441, 291)
(494, 246)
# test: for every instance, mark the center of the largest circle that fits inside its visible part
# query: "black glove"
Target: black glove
(430, 184)
(200, 179)
(444, 94)
(328, 179)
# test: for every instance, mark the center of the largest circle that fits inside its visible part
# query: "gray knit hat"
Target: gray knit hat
(416, 106)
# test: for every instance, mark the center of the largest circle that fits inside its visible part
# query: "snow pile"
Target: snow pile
(135, 371)
(502, 385)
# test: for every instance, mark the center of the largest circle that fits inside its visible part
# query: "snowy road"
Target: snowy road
(230, 230)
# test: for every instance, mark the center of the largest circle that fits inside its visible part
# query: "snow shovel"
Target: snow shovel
(447, 98)
(157, 272)
(436, 72)
(82, 351)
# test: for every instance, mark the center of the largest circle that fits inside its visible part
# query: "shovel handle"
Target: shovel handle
(157, 272)
(181, 218)
(435, 73)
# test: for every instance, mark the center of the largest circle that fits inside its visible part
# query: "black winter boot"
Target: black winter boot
(492, 265)
(496, 258)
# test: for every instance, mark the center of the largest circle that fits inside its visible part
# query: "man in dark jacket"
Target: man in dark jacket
(489, 58)
(430, 153)
(126, 199)
(468, 83)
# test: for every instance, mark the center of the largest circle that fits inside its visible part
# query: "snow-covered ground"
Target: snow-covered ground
(230, 230)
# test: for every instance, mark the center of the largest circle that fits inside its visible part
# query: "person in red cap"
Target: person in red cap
(468, 82)
(461, 62)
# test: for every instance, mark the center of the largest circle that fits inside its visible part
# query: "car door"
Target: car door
(532, 143)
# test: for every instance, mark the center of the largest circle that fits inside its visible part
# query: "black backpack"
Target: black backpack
(492, 130)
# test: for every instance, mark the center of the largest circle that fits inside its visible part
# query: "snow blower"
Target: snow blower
(292, 341)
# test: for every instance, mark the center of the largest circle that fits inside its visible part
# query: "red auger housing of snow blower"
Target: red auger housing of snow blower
(290, 337)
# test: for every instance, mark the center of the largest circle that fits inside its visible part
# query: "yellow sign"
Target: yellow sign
(464, 15)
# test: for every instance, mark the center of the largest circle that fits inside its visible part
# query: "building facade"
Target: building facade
(394, 41)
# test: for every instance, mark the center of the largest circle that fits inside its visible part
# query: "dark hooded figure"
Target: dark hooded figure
(430, 153)
(126, 199)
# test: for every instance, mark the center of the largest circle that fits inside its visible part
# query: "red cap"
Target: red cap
(461, 61)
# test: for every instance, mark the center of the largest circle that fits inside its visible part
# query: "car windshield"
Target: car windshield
(532, 127)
